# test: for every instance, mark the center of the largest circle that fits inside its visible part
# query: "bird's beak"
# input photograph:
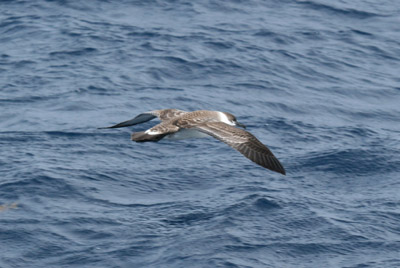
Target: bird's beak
(240, 125)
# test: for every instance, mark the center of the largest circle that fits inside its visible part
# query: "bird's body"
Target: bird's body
(177, 124)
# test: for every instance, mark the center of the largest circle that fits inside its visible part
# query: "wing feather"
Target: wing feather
(244, 142)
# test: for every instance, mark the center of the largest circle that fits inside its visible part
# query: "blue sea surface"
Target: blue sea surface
(317, 81)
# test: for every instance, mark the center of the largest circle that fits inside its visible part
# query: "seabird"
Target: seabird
(177, 124)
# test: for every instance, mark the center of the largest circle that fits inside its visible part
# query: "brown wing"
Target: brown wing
(244, 142)
(167, 114)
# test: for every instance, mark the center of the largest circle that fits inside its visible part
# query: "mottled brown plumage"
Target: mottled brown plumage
(167, 114)
(178, 124)
(244, 142)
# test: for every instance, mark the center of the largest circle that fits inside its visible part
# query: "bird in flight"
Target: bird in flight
(177, 124)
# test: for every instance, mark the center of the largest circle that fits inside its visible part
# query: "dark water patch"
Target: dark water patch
(17, 236)
(74, 222)
(161, 35)
(189, 219)
(97, 90)
(266, 33)
(381, 52)
(261, 85)
(8, 137)
(30, 99)
(17, 64)
(350, 162)
(41, 185)
(183, 99)
(71, 134)
(148, 34)
(337, 11)
(278, 38)
(74, 107)
(78, 52)
(293, 249)
(253, 204)
(221, 28)
(368, 114)
(45, 250)
(163, 89)
(220, 45)
(355, 132)
(77, 258)
(89, 234)
(266, 204)
(291, 127)
(307, 73)
(92, 133)
(362, 33)
(180, 62)
(255, 188)
(150, 47)
(11, 22)
(24, 63)
(285, 53)
(312, 35)
(131, 205)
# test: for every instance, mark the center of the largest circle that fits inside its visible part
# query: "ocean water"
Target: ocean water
(317, 81)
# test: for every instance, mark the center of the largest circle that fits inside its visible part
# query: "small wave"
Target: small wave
(266, 204)
(30, 98)
(38, 184)
(189, 219)
(352, 162)
(219, 45)
(330, 9)
(78, 52)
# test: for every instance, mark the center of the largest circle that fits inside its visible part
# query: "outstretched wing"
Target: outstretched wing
(244, 142)
(163, 115)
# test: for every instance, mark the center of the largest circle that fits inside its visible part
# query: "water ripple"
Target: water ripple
(316, 81)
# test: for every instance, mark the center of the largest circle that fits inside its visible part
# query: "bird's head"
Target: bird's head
(230, 119)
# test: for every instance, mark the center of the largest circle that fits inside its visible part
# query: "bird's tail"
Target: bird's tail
(143, 137)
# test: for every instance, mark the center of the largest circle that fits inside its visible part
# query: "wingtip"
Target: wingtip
(115, 126)
(282, 170)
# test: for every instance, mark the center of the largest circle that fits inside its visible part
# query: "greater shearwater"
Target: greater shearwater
(177, 124)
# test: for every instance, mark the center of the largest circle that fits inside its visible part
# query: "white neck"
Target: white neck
(223, 118)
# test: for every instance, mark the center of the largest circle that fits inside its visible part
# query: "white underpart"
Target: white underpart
(225, 119)
(186, 134)
(152, 132)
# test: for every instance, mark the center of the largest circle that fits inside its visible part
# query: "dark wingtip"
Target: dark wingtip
(281, 169)
(115, 126)
(277, 166)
